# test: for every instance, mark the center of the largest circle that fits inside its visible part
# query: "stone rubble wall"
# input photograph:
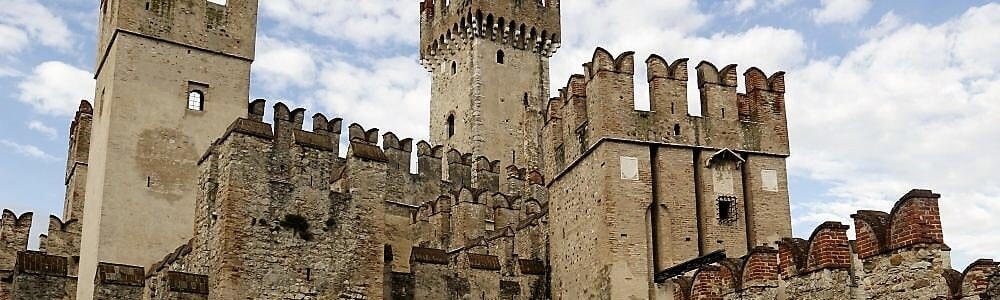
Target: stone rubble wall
(292, 201)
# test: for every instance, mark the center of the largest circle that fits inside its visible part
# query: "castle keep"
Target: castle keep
(177, 188)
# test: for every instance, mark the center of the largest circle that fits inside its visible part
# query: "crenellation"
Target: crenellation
(459, 169)
(598, 105)
(828, 248)
(63, 239)
(598, 200)
(445, 26)
(822, 268)
(976, 278)
(14, 234)
(486, 174)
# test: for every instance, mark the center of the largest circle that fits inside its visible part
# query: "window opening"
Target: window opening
(451, 126)
(727, 209)
(196, 100)
(454, 68)
(500, 57)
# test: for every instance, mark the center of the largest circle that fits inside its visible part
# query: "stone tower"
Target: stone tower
(646, 191)
(490, 66)
(171, 76)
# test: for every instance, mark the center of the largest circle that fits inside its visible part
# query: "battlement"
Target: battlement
(14, 232)
(826, 265)
(599, 104)
(63, 238)
(914, 220)
(434, 164)
(446, 26)
(826, 249)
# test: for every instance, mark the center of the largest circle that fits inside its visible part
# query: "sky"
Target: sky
(883, 96)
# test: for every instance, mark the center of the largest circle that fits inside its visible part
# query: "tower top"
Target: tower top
(524, 24)
(228, 27)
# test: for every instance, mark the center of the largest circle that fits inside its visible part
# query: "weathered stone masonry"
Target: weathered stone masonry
(514, 197)
(897, 255)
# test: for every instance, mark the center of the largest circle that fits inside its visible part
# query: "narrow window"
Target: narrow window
(500, 57)
(525, 100)
(723, 113)
(672, 108)
(677, 129)
(451, 126)
(560, 154)
(196, 100)
(454, 68)
(727, 209)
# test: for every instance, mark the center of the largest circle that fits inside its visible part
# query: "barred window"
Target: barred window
(727, 212)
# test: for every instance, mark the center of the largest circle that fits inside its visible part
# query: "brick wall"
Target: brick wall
(828, 266)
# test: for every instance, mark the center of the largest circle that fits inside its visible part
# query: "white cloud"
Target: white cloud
(9, 72)
(913, 108)
(27, 150)
(392, 94)
(40, 127)
(628, 25)
(889, 22)
(37, 20)
(841, 11)
(365, 23)
(744, 6)
(14, 40)
(56, 88)
(280, 64)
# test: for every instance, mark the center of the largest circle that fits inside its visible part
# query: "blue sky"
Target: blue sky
(883, 96)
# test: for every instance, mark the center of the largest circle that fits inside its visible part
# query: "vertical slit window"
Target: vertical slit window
(451, 126)
(500, 57)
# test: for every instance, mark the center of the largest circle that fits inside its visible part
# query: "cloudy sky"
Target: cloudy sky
(883, 96)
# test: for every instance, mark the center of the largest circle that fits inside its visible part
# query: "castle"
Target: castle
(176, 188)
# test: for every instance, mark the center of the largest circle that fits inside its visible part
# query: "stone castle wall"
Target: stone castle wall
(345, 224)
(897, 255)
(597, 201)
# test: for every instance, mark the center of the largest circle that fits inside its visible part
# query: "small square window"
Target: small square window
(727, 211)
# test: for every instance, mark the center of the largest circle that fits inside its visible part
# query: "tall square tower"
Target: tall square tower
(490, 66)
(171, 76)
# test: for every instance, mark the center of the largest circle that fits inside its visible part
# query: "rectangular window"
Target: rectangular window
(727, 212)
